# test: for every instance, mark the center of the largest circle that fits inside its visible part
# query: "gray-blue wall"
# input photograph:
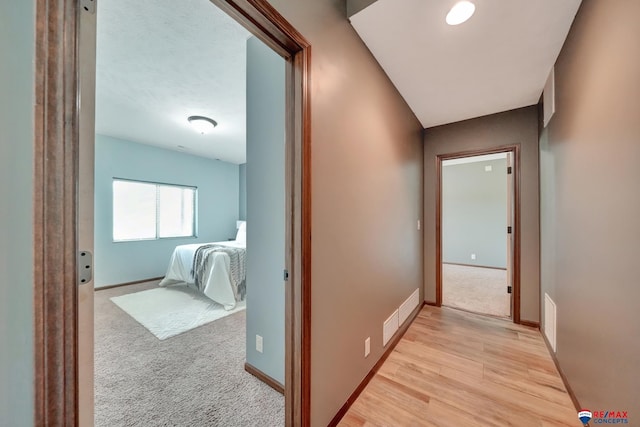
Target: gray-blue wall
(265, 208)
(217, 184)
(243, 192)
(474, 213)
(17, 50)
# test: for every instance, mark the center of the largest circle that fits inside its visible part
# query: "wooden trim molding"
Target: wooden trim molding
(515, 149)
(517, 234)
(363, 384)
(264, 377)
(438, 232)
(304, 290)
(266, 23)
(263, 21)
(56, 142)
(54, 203)
(259, 17)
(530, 324)
(572, 395)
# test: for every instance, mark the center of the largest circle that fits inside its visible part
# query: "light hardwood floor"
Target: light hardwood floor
(454, 368)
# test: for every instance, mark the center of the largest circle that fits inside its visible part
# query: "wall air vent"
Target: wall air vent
(550, 320)
(389, 327)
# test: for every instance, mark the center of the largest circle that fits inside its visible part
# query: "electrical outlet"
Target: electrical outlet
(367, 346)
(473, 256)
(258, 343)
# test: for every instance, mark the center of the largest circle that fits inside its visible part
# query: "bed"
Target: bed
(222, 269)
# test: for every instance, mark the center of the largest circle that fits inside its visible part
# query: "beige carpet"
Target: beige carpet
(481, 290)
(193, 379)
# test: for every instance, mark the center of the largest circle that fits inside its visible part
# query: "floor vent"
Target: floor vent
(550, 320)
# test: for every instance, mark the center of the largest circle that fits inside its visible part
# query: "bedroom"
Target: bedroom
(161, 185)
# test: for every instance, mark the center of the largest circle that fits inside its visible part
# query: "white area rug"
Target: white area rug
(167, 312)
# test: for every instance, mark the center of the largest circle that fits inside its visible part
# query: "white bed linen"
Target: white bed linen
(217, 280)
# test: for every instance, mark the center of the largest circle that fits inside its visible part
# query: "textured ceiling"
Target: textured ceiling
(496, 61)
(160, 61)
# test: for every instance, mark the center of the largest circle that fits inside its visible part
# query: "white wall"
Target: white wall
(217, 184)
(265, 208)
(17, 51)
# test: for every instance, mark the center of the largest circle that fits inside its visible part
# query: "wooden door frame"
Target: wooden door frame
(515, 150)
(55, 201)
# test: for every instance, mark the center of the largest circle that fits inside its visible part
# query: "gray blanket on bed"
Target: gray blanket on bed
(202, 260)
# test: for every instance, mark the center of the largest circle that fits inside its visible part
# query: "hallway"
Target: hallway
(454, 368)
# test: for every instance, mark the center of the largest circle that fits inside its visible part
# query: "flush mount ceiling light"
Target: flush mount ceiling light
(460, 12)
(202, 124)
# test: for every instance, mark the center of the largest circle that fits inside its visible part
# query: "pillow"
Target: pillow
(241, 235)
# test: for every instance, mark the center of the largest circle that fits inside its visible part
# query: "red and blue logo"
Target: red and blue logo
(603, 417)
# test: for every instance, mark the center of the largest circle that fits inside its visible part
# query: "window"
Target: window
(145, 210)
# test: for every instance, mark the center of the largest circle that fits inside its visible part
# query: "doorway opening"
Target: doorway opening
(171, 201)
(477, 233)
(64, 147)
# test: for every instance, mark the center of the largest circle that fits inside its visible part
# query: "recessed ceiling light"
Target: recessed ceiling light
(460, 12)
(202, 124)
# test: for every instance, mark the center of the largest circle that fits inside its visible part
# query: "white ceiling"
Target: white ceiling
(160, 61)
(496, 61)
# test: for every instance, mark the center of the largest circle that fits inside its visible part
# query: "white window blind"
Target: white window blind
(143, 210)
